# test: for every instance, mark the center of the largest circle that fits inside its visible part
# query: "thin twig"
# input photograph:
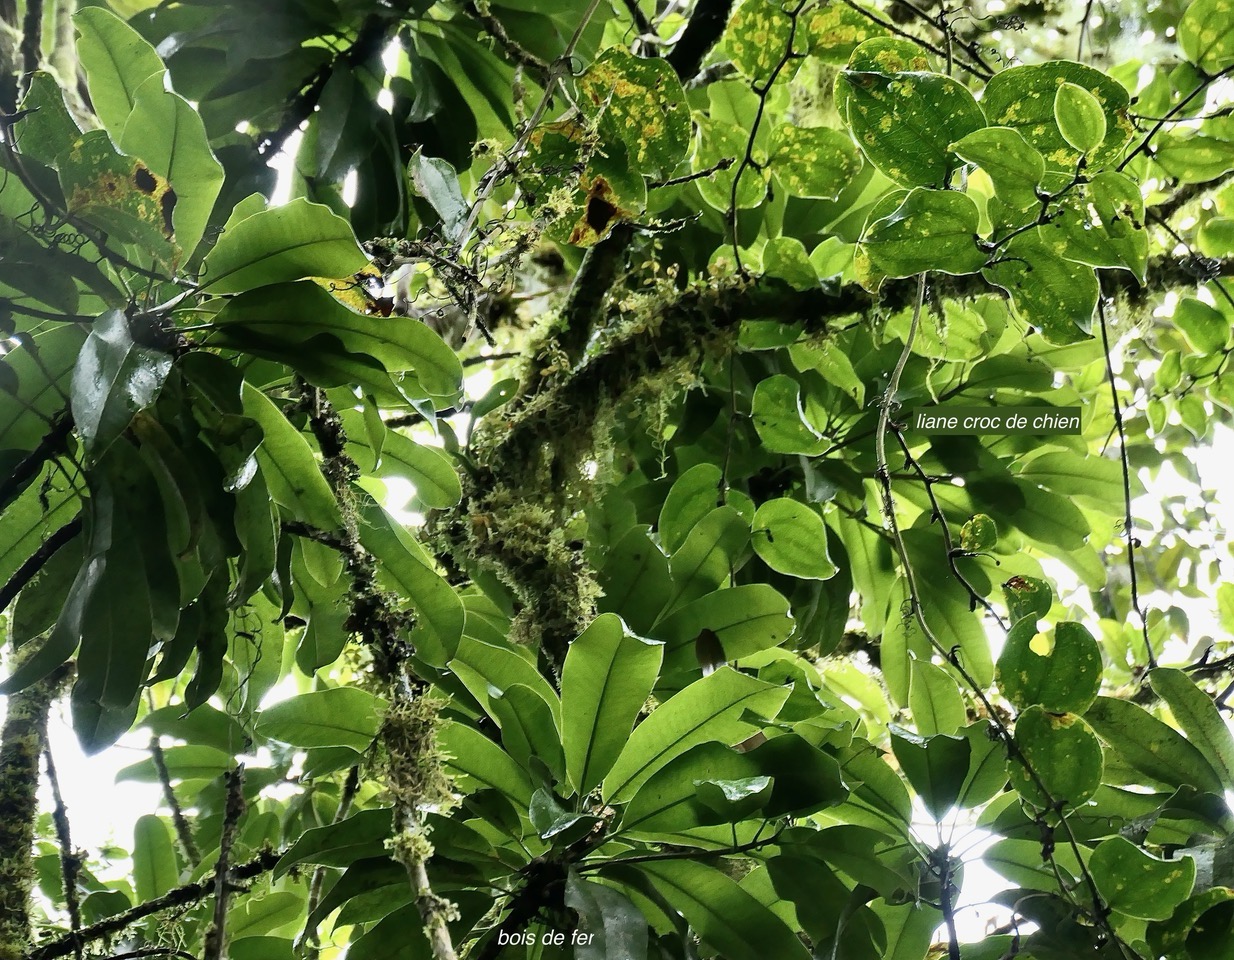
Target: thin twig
(70, 862)
(183, 831)
(1171, 113)
(1128, 523)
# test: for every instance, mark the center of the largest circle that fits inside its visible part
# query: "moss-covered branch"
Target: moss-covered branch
(22, 740)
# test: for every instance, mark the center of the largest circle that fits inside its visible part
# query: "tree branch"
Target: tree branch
(179, 897)
(22, 740)
(216, 935)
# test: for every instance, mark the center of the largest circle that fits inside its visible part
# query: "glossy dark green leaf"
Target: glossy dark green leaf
(113, 380)
(615, 926)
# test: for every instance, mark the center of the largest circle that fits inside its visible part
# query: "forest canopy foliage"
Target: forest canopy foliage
(467, 447)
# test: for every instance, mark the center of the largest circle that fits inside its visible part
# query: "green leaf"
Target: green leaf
(978, 533)
(1199, 718)
(790, 538)
(154, 858)
(638, 101)
(929, 230)
(184, 763)
(430, 471)
(437, 182)
(49, 131)
(1057, 666)
(1064, 753)
(287, 462)
(1055, 295)
(834, 30)
(936, 766)
(1154, 748)
(294, 322)
(1027, 597)
(1206, 34)
(742, 620)
(780, 420)
(607, 677)
(487, 667)
(905, 122)
(1138, 884)
(360, 836)
(934, 700)
(718, 141)
(528, 728)
(1079, 116)
(167, 134)
(722, 914)
(786, 774)
(338, 717)
(705, 559)
(258, 915)
(635, 580)
(478, 762)
(297, 240)
(712, 708)
(1023, 98)
(757, 38)
(1094, 478)
(113, 380)
(1102, 225)
(117, 61)
(615, 927)
(813, 161)
(692, 496)
(1015, 167)
(398, 936)
(1205, 328)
